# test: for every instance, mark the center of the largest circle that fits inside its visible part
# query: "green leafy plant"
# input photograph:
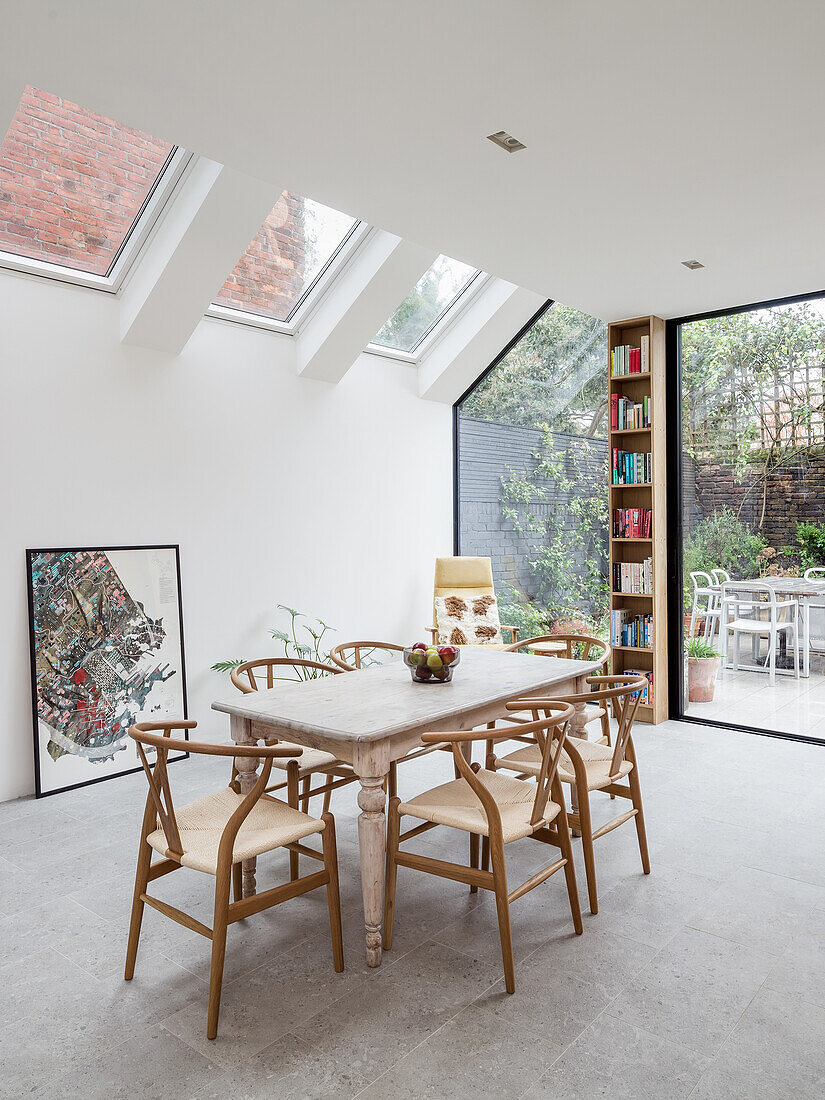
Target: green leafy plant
(811, 537)
(722, 541)
(302, 640)
(559, 507)
(699, 649)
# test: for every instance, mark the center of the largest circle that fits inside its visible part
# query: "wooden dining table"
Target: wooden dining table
(375, 715)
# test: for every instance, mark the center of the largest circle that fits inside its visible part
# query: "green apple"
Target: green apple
(417, 657)
(434, 661)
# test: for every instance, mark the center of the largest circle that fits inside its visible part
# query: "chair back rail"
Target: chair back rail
(571, 642)
(626, 688)
(551, 734)
(349, 662)
(245, 676)
(755, 597)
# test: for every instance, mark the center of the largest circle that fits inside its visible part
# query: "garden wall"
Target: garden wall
(485, 452)
(795, 493)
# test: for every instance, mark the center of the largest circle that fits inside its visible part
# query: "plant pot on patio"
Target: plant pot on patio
(703, 665)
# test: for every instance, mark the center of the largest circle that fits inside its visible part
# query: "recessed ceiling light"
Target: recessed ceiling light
(692, 265)
(506, 141)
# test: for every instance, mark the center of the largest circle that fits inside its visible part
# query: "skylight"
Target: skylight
(73, 184)
(296, 243)
(433, 295)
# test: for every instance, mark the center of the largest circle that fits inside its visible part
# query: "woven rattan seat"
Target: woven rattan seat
(592, 712)
(270, 824)
(310, 760)
(596, 759)
(456, 804)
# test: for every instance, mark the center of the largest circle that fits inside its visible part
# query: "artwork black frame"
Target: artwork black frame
(39, 792)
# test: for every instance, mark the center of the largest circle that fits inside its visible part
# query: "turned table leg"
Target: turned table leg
(240, 730)
(371, 763)
(372, 840)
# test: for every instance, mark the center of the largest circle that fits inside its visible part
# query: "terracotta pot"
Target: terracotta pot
(702, 678)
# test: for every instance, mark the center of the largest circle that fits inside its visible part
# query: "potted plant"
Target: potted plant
(703, 662)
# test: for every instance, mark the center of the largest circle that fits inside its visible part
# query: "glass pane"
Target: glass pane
(533, 476)
(753, 487)
(291, 249)
(429, 300)
(72, 183)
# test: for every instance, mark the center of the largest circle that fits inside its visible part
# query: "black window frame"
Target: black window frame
(675, 525)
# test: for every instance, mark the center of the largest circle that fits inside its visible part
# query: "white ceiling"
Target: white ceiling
(656, 131)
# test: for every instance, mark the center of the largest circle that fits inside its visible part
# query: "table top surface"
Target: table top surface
(797, 586)
(376, 702)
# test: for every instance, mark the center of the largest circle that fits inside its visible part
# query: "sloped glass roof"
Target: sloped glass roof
(435, 293)
(296, 243)
(73, 183)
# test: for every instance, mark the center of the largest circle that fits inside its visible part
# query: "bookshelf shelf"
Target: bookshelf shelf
(640, 376)
(640, 340)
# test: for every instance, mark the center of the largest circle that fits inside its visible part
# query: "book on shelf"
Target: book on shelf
(630, 468)
(629, 628)
(633, 577)
(625, 359)
(646, 694)
(632, 523)
(628, 415)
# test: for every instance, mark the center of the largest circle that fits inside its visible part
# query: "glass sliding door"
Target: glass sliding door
(752, 408)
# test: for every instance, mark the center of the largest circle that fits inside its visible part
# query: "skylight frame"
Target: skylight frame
(439, 325)
(142, 227)
(313, 294)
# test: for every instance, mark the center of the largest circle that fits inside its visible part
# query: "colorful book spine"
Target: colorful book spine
(631, 468)
(646, 694)
(632, 523)
(631, 630)
(633, 577)
(628, 415)
(625, 359)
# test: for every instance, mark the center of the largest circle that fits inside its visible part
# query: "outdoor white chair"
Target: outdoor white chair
(758, 612)
(816, 611)
(705, 604)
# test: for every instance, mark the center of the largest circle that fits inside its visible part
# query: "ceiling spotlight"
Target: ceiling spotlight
(692, 265)
(506, 141)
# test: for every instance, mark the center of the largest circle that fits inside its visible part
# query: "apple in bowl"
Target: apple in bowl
(431, 664)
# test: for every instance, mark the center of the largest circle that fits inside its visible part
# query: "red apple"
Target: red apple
(420, 645)
(423, 673)
(448, 654)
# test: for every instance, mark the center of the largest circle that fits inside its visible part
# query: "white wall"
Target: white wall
(331, 499)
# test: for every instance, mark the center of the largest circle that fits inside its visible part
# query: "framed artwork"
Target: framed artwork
(106, 631)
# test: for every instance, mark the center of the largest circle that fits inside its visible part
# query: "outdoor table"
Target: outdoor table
(806, 592)
(375, 715)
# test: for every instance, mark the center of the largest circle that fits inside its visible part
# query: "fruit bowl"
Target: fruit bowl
(431, 664)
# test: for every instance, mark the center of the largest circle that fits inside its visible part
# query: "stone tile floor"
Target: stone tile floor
(705, 979)
(748, 699)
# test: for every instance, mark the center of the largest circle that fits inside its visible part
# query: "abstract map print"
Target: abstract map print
(95, 649)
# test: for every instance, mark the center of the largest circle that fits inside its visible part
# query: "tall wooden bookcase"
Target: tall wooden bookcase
(652, 495)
